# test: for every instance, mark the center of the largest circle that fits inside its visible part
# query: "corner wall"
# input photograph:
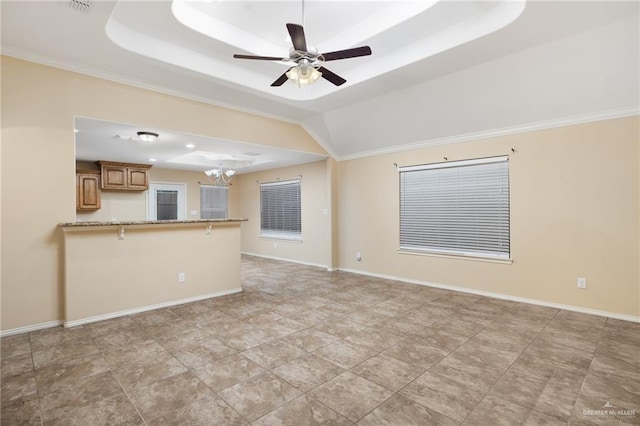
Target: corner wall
(315, 247)
(39, 104)
(574, 213)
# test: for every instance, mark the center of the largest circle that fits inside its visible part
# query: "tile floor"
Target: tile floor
(301, 346)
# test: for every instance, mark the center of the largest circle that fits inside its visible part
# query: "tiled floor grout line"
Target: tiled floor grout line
(128, 397)
(442, 359)
(507, 369)
(258, 300)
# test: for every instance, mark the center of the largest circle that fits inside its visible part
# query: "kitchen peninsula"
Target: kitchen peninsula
(120, 268)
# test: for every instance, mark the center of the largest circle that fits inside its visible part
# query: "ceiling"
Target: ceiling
(104, 140)
(440, 71)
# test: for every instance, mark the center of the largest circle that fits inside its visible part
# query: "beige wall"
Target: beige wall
(575, 193)
(105, 274)
(38, 179)
(574, 213)
(315, 247)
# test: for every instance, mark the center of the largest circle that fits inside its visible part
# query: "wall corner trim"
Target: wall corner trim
(572, 308)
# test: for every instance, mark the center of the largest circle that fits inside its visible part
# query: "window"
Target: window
(213, 202)
(459, 208)
(166, 204)
(166, 201)
(280, 210)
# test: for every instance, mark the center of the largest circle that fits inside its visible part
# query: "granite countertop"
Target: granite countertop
(148, 222)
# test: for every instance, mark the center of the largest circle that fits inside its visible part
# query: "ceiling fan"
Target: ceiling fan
(306, 66)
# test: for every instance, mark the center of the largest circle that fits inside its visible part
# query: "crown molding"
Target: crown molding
(92, 72)
(512, 130)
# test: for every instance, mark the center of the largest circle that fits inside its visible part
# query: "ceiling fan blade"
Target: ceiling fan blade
(262, 58)
(297, 37)
(347, 53)
(281, 80)
(332, 77)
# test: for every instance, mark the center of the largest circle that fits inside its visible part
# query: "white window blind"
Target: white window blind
(459, 207)
(280, 210)
(213, 202)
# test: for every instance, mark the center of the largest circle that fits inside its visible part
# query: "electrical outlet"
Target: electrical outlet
(582, 282)
(275, 245)
(182, 277)
(358, 256)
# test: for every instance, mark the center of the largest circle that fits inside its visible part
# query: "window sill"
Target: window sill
(457, 257)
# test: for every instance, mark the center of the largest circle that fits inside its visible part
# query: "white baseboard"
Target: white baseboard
(28, 328)
(141, 309)
(74, 323)
(580, 309)
(299, 262)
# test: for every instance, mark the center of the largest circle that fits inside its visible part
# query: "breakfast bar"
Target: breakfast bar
(114, 269)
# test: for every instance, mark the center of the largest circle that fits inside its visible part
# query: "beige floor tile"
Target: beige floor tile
(22, 411)
(388, 372)
(18, 386)
(302, 411)
(242, 340)
(497, 412)
(259, 395)
(351, 395)
(399, 410)
(416, 352)
(489, 361)
(43, 339)
(228, 371)
(14, 345)
(375, 338)
(461, 325)
(307, 372)
(344, 354)
(169, 394)
(205, 352)
(113, 411)
(445, 396)
(310, 339)
(273, 354)
(63, 400)
(15, 365)
(208, 411)
(53, 376)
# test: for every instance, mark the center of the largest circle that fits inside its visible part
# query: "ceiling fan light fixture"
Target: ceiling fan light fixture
(303, 75)
(147, 136)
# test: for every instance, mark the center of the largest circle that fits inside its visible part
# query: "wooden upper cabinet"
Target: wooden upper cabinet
(87, 189)
(138, 178)
(124, 176)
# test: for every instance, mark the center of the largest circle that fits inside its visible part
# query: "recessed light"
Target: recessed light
(189, 145)
(153, 159)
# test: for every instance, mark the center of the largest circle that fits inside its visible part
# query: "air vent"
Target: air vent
(80, 5)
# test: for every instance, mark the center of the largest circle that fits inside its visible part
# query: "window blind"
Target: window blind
(166, 204)
(459, 207)
(213, 202)
(280, 210)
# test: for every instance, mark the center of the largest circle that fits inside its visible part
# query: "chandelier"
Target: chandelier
(220, 176)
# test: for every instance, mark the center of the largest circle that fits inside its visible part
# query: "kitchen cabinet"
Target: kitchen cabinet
(124, 176)
(87, 190)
